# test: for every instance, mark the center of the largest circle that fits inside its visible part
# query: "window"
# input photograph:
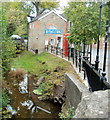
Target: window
(52, 42)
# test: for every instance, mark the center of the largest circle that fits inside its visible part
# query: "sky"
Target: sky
(62, 4)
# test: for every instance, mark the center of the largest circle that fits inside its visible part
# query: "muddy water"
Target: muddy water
(25, 104)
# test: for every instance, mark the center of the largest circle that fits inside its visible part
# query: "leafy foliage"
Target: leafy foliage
(68, 114)
(4, 99)
(85, 20)
(8, 46)
(42, 6)
(43, 88)
(16, 18)
(107, 10)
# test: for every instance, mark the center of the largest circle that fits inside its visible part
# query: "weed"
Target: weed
(68, 114)
(43, 88)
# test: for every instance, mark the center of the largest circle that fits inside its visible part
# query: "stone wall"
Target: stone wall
(94, 105)
(87, 104)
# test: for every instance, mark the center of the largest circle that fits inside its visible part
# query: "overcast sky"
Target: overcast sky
(63, 2)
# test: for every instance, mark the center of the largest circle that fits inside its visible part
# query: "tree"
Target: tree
(85, 19)
(41, 6)
(107, 11)
(16, 14)
(8, 46)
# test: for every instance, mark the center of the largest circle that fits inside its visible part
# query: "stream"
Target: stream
(24, 103)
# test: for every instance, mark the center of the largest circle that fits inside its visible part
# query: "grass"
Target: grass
(39, 63)
(45, 64)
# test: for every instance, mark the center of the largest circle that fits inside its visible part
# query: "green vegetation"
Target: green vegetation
(16, 15)
(8, 46)
(45, 65)
(39, 64)
(44, 87)
(68, 114)
(42, 6)
(4, 99)
(85, 20)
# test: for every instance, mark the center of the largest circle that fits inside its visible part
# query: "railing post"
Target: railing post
(84, 58)
(47, 48)
(90, 53)
(105, 50)
(73, 55)
(79, 61)
(68, 53)
(103, 78)
(76, 57)
(51, 48)
(98, 44)
(56, 50)
(62, 53)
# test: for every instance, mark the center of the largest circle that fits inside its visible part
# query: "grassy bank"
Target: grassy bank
(48, 66)
(39, 63)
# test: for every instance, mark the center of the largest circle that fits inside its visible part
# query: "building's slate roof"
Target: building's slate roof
(36, 18)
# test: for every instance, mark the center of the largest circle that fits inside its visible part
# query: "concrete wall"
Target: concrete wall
(74, 90)
(37, 28)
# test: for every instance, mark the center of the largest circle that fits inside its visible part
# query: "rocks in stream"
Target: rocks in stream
(59, 91)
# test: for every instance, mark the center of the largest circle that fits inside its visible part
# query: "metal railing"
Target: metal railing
(82, 61)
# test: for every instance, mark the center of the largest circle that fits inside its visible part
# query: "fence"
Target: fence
(82, 61)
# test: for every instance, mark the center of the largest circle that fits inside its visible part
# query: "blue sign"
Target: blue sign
(53, 31)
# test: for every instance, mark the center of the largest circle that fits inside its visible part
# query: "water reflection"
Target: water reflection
(23, 86)
(28, 103)
(11, 110)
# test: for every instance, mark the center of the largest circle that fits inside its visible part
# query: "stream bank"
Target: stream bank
(43, 76)
(24, 103)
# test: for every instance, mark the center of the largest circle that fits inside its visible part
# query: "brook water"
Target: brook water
(25, 104)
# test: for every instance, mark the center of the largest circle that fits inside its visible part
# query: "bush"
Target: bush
(8, 52)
